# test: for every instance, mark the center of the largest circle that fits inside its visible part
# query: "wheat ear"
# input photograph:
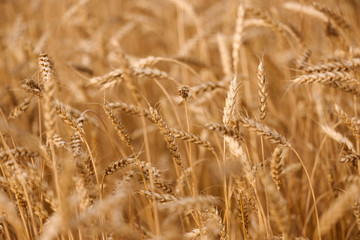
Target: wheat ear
(224, 54)
(338, 137)
(263, 130)
(349, 122)
(190, 137)
(341, 65)
(20, 109)
(340, 21)
(168, 136)
(356, 209)
(118, 126)
(237, 37)
(276, 165)
(46, 73)
(325, 78)
(33, 87)
(278, 206)
(225, 130)
(115, 166)
(338, 208)
(263, 92)
(230, 101)
(129, 75)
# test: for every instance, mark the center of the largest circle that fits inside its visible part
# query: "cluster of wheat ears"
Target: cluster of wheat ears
(179, 119)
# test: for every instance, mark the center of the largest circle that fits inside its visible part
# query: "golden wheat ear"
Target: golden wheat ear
(263, 91)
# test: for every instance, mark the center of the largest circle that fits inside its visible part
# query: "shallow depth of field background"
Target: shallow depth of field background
(250, 126)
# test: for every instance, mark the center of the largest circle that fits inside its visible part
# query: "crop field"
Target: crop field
(179, 119)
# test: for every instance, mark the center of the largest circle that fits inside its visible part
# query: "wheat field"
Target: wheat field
(179, 119)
